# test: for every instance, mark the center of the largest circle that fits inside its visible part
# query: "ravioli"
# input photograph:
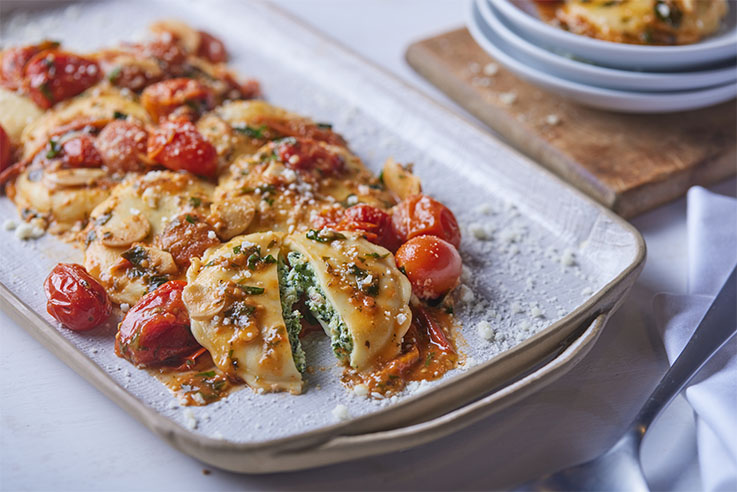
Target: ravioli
(136, 236)
(354, 289)
(664, 22)
(287, 196)
(233, 299)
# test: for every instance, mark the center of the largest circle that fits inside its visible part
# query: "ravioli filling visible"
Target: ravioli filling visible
(302, 279)
(289, 294)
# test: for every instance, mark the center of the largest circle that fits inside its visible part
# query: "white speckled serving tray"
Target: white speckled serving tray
(542, 260)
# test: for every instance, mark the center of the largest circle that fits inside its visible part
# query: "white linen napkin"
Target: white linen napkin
(712, 253)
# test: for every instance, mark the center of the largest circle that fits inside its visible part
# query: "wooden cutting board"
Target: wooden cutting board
(629, 163)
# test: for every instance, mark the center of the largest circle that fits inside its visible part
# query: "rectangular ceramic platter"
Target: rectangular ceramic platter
(550, 259)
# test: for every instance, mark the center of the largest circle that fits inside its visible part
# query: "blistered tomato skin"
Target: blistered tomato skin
(156, 330)
(52, 76)
(211, 48)
(421, 215)
(177, 145)
(80, 151)
(5, 151)
(163, 98)
(122, 144)
(75, 299)
(307, 155)
(374, 223)
(432, 265)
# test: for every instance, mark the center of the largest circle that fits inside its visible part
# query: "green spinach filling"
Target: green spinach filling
(289, 296)
(300, 281)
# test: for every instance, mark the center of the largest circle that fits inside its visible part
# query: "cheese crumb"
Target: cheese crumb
(211, 235)
(491, 69)
(485, 330)
(340, 412)
(508, 98)
(466, 294)
(125, 307)
(478, 231)
(568, 258)
(26, 231)
(361, 390)
(9, 224)
(189, 419)
(552, 119)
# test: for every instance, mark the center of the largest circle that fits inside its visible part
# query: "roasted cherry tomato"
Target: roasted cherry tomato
(163, 98)
(432, 265)
(305, 154)
(80, 151)
(419, 215)
(156, 330)
(177, 145)
(75, 299)
(374, 223)
(5, 151)
(14, 61)
(122, 144)
(52, 76)
(211, 48)
(169, 56)
(185, 237)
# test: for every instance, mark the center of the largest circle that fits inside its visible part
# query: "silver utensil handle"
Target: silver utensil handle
(717, 326)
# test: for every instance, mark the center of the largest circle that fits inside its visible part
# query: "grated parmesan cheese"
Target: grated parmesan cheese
(340, 412)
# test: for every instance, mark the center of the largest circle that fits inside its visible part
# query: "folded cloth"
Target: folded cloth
(712, 253)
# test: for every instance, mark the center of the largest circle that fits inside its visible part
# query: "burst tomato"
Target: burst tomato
(14, 61)
(185, 237)
(420, 215)
(177, 145)
(432, 265)
(163, 98)
(305, 154)
(122, 144)
(374, 223)
(52, 76)
(80, 151)
(156, 330)
(75, 299)
(211, 48)
(5, 153)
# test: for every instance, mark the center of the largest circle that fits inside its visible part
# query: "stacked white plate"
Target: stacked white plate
(613, 76)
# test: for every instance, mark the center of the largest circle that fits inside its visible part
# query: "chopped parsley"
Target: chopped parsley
(191, 219)
(54, 149)
(250, 131)
(119, 115)
(324, 235)
(250, 290)
(195, 201)
(114, 74)
(377, 255)
(135, 255)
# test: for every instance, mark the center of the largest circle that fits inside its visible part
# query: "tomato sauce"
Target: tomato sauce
(423, 357)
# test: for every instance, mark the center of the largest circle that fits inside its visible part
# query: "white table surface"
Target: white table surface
(58, 433)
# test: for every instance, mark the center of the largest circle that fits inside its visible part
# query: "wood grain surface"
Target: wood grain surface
(630, 163)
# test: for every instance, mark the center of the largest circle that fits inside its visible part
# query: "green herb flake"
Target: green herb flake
(250, 131)
(429, 358)
(54, 149)
(195, 201)
(46, 92)
(251, 291)
(114, 74)
(325, 126)
(135, 255)
(206, 374)
(324, 235)
(119, 115)
(377, 255)
(237, 250)
(190, 219)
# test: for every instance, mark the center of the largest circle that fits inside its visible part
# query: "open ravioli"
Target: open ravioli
(355, 291)
(146, 232)
(233, 299)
